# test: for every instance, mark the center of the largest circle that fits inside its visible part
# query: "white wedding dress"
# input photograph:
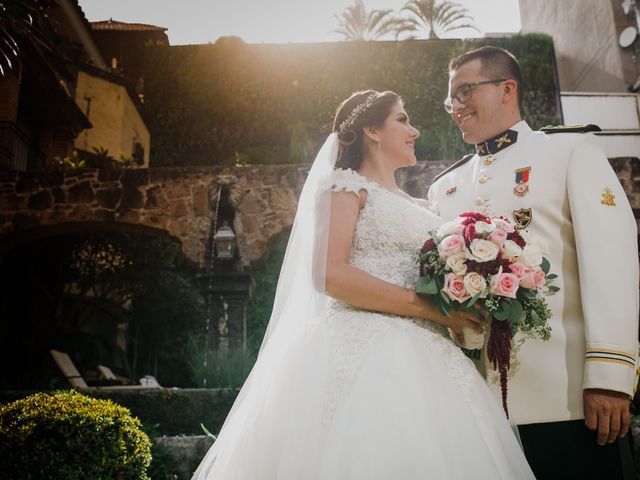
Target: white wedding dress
(370, 396)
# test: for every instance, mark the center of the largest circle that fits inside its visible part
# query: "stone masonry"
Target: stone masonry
(162, 201)
(178, 201)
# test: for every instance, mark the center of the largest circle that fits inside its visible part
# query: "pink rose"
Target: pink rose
(451, 245)
(527, 280)
(454, 288)
(532, 278)
(504, 284)
(538, 278)
(498, 237)
(517, 269)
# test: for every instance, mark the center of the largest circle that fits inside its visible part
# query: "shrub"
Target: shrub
(216, 366)
(178, 411)
(164, 465)
(66, 435)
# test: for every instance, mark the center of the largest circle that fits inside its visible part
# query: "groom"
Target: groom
(569, 395)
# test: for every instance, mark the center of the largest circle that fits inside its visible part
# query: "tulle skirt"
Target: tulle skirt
(365, 396)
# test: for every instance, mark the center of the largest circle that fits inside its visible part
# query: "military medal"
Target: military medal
(522, 179)
(522, 218)
(608, 198)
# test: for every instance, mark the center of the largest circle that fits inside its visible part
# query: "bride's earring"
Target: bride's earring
(379, 146)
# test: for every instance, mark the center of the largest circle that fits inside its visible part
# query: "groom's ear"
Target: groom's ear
(510, 91)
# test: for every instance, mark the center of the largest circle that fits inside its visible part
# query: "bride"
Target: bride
(357, 377)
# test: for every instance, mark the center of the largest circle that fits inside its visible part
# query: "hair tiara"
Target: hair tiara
(353, 116)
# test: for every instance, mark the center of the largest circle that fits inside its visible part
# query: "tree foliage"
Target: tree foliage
(355, 23)
(138, 286)
(431, 18)
(20, 19)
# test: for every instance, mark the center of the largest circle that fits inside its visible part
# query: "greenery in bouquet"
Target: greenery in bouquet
(481, 261)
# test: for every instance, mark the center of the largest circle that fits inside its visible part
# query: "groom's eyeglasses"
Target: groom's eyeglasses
(465, 91)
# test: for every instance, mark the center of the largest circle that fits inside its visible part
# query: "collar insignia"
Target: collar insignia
(497, 143)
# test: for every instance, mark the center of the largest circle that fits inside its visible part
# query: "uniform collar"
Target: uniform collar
(503, 140)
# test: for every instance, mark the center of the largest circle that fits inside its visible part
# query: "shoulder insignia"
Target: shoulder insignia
(459, 163)
(578, 128)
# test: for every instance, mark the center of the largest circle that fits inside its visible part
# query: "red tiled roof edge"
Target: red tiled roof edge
(124, 27)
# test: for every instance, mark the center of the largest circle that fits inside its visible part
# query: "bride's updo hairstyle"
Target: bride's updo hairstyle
(367, 108)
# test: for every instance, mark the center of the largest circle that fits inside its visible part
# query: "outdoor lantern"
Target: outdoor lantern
(225, 241)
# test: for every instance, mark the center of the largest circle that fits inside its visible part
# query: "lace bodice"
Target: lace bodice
(389, 232)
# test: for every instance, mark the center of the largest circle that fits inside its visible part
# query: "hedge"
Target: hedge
(232, 102)
(166, 411)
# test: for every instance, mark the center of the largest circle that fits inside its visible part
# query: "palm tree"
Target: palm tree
(20, 18)
(436, 18)
(355, 23)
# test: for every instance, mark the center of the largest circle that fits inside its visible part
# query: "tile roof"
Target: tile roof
(125, 27)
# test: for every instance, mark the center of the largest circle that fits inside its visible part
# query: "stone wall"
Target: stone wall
(176, 201)
(180, 201)
(187, 450)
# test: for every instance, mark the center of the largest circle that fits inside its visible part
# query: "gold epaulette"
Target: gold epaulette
(577, 128)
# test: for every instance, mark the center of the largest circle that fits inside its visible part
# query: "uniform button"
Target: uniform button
(489, 159)
(480, 201)
(483, 179)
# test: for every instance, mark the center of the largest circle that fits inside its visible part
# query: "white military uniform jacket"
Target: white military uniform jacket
(579, 209)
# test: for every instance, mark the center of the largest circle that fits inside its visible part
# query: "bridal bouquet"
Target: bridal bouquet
(477, 260)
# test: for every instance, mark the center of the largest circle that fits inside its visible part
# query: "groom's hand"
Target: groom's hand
(608, 412)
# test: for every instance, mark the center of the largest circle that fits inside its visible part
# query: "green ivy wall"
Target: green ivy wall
(260, 103)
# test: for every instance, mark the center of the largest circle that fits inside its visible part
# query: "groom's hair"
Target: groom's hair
(496, 63)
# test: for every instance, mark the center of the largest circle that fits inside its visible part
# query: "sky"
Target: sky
(274, 21)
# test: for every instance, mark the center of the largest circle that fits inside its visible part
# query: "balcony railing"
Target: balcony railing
(17, 151)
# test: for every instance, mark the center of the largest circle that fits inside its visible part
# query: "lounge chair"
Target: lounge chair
(76, 380)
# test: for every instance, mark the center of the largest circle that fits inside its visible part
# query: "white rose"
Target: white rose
(511, 250)
(482, 227)
(544, 248)
(530, 239)
(503, 225)
(483, 250)
(456, 263)
(448, 228)
(532, 256)
(475, 284)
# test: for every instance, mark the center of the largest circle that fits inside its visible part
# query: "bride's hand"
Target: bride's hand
(467, 329)
(458, 320)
